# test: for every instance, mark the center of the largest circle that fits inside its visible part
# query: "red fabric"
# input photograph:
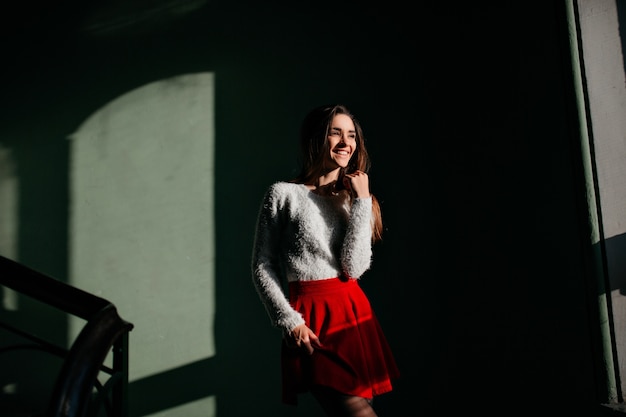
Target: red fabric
(355, 357)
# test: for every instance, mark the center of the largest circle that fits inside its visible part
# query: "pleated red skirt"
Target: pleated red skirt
(355, 357)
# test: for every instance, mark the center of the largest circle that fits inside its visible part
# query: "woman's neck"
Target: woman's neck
(328, 178)
(327, 184)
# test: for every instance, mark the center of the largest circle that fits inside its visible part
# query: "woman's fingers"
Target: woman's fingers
(303, 337)
(358, 183)
(310, 342)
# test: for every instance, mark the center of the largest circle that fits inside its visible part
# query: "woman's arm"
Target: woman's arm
(266, 273)
(356, 253)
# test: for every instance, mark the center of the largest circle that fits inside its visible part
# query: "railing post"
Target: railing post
(120, 365)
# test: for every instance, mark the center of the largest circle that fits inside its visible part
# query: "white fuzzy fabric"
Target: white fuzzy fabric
(302, 236)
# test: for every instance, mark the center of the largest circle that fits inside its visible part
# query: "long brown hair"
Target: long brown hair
(314, 147)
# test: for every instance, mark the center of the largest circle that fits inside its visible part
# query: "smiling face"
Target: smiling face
(341, 141)
(331, 144)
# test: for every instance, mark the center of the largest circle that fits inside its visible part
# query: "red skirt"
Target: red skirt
(354, 359)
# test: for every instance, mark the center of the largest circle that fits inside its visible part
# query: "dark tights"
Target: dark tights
(336, 404)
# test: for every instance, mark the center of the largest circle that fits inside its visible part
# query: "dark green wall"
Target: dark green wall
(479, 280)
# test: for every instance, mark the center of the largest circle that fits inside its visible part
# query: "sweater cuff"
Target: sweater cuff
(362, 206)
(290, 323)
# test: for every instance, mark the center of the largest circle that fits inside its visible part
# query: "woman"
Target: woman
(315, 234)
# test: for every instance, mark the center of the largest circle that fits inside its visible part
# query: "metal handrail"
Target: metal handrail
(105, 331)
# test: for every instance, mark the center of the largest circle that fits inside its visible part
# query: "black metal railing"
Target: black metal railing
(78, 390)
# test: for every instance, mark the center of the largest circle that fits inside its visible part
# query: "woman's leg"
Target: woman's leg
(336, 404)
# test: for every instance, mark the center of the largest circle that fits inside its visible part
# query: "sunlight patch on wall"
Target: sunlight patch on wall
(8, 218)
(142, 218)
(606, 85)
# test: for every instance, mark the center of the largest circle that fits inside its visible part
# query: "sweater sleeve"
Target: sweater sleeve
(356, 252)
(266, 270)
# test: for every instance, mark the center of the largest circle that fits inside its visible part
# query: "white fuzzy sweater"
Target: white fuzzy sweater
(302, 236)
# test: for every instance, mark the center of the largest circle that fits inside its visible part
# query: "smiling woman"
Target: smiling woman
(315, 233)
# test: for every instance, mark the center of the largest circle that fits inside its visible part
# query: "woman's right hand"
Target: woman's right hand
(357, 184)
(303, 337)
